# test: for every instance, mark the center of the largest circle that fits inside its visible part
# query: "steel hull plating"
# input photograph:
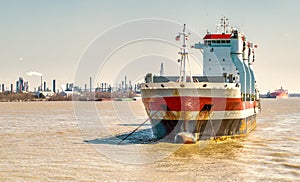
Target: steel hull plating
(278, 95)
(203, 129)
(203, 112)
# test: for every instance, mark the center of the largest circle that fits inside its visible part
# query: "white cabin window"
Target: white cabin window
(223, 60)
(223, 69)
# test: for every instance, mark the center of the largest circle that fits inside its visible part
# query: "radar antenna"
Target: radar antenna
(224, 24)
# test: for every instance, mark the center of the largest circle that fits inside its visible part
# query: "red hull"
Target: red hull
(189, 103)
(204, 117)
(280, 93)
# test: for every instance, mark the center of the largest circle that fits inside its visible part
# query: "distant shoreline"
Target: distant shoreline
(99, 96)
(29, 97)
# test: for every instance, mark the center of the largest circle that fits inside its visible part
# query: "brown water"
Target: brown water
(55, 141)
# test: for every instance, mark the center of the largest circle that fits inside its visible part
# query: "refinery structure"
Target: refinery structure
(45, 90)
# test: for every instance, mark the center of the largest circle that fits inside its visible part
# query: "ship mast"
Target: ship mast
(185, 74)
(224, 24)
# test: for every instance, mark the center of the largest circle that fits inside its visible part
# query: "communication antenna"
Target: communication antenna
(224, 24)
(185, 72)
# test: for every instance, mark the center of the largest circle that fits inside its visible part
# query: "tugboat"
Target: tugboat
(221, 103)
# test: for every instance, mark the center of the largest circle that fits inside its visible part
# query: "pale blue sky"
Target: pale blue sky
(49, 36)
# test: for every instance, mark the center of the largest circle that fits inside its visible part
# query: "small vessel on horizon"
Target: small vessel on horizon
(278, 94)
(221, 103)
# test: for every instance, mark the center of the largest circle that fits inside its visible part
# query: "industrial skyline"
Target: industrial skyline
(22, 85)
(50, 36)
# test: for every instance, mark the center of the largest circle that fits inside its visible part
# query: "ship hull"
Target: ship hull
(203, 112)
(203, 129)
(279, 94)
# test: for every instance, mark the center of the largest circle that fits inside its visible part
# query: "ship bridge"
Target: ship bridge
(216, 50)
(217, 40)
(230, 55)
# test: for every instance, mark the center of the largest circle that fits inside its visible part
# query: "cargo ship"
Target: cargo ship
(279, 93)
(223, 102)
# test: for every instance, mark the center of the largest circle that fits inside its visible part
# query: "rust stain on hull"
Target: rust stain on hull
(203, 129)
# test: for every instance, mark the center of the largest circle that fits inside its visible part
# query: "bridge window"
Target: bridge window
(209, 42)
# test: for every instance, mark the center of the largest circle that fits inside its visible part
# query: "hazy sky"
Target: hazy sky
(50, 36)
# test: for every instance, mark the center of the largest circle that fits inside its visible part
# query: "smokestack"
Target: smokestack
(162, 71)
(11, 88)
(125, 82)
(90, 84)
(129, 85)
(41, 83)
(53, 86)
(85, 87)
(3, 87)
(45, 88)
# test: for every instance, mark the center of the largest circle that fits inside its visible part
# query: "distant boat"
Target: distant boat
(279, 93)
